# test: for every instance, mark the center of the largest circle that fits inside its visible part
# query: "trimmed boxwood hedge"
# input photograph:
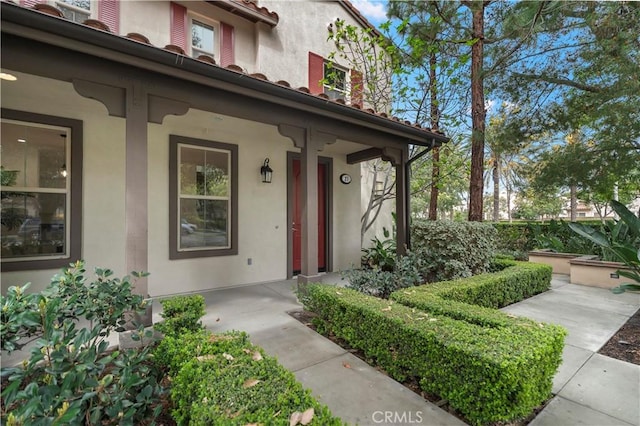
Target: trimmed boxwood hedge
(222, 379)
(489, 365)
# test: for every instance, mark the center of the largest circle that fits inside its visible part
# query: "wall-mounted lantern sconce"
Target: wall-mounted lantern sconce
(266, 171)
(63, 171)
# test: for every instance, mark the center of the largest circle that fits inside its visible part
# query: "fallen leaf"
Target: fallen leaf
(249, 383)
(338, 293)
(256, 356)
(295, 418)
(205, 357)
(433, 319)
(307, 416)
(227, 356)
(346, 365)
(512, 316)
(387, 309)
(217, 319)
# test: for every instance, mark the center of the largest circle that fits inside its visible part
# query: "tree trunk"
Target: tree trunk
(435, 175)
(496, 187)
(435, 155)
(573, 203)
(476, 183)
(509, 203)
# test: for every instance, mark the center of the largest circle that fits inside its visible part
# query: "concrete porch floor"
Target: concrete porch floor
(590, 389)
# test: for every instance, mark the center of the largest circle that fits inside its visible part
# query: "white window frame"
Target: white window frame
(44, 190)
(92, 12)
(181, 196)
(333, 92)
(194, 51)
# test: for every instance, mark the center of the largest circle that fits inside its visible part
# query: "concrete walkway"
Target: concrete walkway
(590, 389)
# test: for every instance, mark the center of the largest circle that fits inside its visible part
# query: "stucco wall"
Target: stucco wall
(152, 19)
(262, 215)
(103, 237)
(284, 51)
(262, 212)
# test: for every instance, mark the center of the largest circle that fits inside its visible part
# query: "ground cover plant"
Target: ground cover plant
(71, 375)
(489, 365)
(224, 379)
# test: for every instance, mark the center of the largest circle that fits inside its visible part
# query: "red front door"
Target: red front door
(297, 216)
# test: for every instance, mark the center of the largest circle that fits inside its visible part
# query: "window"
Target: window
(203, 38)
(40, 173)
(75, 10)
(335, 81)
(203, 194)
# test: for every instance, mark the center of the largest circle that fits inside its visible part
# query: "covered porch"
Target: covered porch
(149, 93)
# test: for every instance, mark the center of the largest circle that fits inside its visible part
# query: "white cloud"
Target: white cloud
(373, 10)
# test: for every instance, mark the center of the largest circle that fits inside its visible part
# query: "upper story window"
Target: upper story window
(40, 193)
(335, 81)
(204, 38)
(76, 10)
(203, 193)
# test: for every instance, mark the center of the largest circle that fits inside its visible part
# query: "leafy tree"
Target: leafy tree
(582, 75)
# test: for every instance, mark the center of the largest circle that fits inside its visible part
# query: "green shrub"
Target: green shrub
(181, 314)
(71, 376)
(489, 365)
(176, 350)
(452, 250)
(378, 282)
(224, 379)
(620, 242)
(522, 237)
(516, 282)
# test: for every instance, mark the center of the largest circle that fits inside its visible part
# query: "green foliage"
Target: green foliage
(407, 272)
(489, 365)
(176, 350)
(224, 379)
(381, 255)
(452, 250)
(523, 237)
(622, 241)
(71, 376)
(181, 314)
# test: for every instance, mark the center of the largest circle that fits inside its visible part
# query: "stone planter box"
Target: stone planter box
(558, 261)
(587, 270)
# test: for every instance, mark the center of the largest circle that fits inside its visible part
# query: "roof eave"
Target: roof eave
(80, 33)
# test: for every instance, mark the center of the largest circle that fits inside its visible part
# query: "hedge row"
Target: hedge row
(515, 281)
(523, 237)
(222, 379)
(489, 365)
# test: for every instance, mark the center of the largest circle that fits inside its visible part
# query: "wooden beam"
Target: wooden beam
(364, 155)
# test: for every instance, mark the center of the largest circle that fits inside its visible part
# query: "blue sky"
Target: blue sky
(374, 10)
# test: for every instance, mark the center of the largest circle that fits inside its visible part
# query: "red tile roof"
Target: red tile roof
(248, 9)
(100, 26)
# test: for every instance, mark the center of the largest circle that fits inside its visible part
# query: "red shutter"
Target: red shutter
(357, 88)
(227, 56)
(316, 73)
(30, 3)
(179, 26)
(109, 13)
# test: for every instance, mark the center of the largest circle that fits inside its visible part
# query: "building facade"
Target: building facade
(134, 156)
